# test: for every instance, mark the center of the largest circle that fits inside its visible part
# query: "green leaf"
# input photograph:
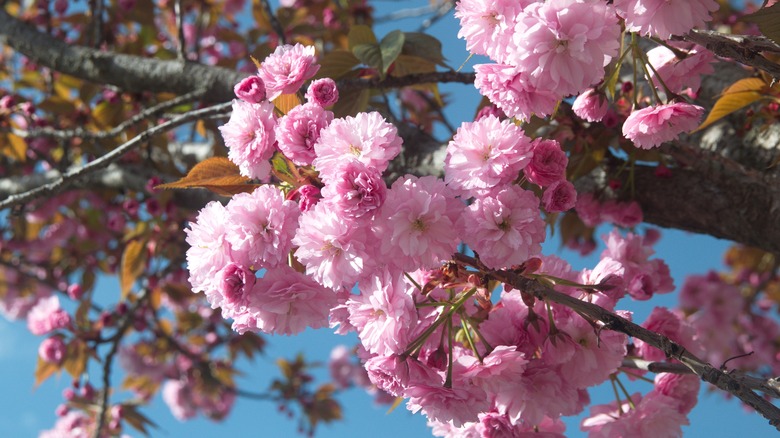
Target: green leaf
(423, 46)
(369, 54)
(336, 64)
(768, 21)
(391, 47)
(360, 34)
(351, 102)
(409, 65)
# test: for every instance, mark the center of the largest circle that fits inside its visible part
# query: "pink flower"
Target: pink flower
(459, 404)
(505, 229)
(356, 191)
(623, 214)
(546, 394)
(589, 209)
(488, 25)
(52, 350)
(285, 70)
(596, 354)
(486, 154)
(47, 316)
(565, 44)
(209, 250)
(249, 136)
(367, 138)
(560, 196)
(179, 398)
(418, 224)
(250, 90)
(394, 373)
(323, 92)
(285, 302)
(671, 325)
(664, 18)
(307, 196)
(511, 90)
(590, 105)
(299, 130)
(234, 286)
(650, 418)
(548, 164)
(643, 277)
(384, 314)
(261, 226)
(329, 247)
(679, 74)
(340, 367)
(72, 424)
(684, 388)
(651, 126)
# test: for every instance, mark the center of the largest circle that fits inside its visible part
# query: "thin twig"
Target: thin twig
(277, 27)
(405, 13)
(179, 14)
(441, 12)
(105, 160)
(407, 80)
(109, 361)
(725, 381)
(119, 129)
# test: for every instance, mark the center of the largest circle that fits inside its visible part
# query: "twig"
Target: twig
(725, 381)
(179, 14)
(770, 386)
(742, 48)
(115, 341)
(105, 160)
(407, 80)
(96, 8)
(441, 11)
(277, 27)
(119, 129)
(405, 13)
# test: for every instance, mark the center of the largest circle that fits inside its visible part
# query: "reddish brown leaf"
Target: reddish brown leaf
(217, 174)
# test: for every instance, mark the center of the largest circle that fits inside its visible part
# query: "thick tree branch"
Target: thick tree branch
(130, 73)
(705, 371)
(712, 195)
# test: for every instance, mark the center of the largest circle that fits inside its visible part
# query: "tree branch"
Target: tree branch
(130, 73)
(770, 387)
(705, 371)
(79, 172)
(741, 48)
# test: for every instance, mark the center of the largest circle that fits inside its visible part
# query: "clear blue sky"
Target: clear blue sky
(24, 411)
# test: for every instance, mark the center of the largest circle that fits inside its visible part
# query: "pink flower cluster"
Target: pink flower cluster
(662, 412)
(278, 260)
(544, 50)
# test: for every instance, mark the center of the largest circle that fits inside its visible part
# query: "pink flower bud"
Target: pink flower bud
(323, 92)
(310, 195)
(75, 292)
(590, 105)
(548, 163)
(52, 350)
(251, 89)
(559, 196)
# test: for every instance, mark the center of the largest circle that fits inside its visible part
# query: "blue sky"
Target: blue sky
(24, 411)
